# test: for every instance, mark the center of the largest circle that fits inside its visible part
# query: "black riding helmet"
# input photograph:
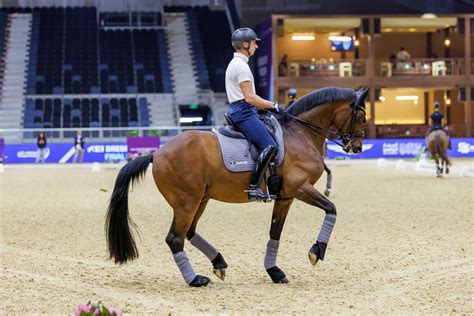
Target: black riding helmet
(437, 106)
(242, 35)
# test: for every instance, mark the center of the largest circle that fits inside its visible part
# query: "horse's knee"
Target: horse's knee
(330, 209)
(175, 243)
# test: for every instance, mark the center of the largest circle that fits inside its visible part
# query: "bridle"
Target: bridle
(347, 137)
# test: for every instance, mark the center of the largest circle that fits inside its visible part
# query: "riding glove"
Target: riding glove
(277, 108)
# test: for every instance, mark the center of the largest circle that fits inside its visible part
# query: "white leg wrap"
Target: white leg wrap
(184, 266)
(271, 254)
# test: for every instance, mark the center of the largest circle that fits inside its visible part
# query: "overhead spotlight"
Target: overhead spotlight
(447, 101)
(356, 43)
(447, 42)
(382, 98)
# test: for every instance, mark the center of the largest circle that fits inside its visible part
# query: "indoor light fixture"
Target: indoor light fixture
(429, 16)
(303, 37)
(406, 97)
(190, 119)
(356, 43)
(447, 42)
(382, 98)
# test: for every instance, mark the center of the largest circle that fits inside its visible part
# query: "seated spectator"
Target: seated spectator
(392, 59)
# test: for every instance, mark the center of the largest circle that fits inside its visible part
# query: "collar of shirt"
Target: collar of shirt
(241, 56)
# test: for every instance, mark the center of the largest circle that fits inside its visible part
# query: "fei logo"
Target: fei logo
(465, 148)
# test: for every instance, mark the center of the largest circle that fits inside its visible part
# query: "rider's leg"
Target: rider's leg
(264, 159)
(257, 133)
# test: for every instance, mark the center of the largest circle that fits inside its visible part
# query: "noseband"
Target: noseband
(347, 137)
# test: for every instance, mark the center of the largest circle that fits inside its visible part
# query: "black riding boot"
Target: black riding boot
(264, 159)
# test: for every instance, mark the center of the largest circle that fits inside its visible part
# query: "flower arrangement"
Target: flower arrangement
(98, 309)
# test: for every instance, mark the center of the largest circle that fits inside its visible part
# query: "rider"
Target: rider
(292, 93)
(240, 88)
(436, 121)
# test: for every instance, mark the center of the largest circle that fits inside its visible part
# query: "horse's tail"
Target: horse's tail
(440, 150)
(122, 246)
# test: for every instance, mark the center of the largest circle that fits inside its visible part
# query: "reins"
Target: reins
(347, 138)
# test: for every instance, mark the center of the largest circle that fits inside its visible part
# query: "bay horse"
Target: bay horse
(189, 171)
(437, 143)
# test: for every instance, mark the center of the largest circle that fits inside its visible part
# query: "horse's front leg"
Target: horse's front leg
(280, 210)
(308, 194)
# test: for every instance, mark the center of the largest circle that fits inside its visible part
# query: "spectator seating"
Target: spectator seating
(212, 37)
(86, 112)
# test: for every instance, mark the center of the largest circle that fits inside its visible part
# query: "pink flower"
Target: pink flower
(86, 308)
(115, 311)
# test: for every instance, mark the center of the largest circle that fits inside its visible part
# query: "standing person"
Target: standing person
(79, 146)
(437, 122)
(403, 55)
(283, 66)
(41, 143)
(240, 88)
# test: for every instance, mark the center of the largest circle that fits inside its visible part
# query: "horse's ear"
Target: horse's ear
(364, 93)
(361, 94)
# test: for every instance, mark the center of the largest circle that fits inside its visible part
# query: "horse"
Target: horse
(189, 171)
(437, 142)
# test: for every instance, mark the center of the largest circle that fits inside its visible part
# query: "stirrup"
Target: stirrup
(260, 196)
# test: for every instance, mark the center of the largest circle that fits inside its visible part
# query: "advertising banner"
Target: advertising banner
(113, 152)
(64, 153)
(140, 144)
(400, 148)
(263, 68)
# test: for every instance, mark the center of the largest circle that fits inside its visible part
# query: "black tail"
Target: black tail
(120, 240)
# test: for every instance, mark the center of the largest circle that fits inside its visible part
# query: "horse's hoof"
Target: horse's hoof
(313, 258)
(327, 192)
(220, 273)
(277, 275)
(199, 281)
(447, 170)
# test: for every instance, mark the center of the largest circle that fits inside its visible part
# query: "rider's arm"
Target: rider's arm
(250, 97)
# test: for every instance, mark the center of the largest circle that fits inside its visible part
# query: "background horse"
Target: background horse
(189, 170)
(437, 142)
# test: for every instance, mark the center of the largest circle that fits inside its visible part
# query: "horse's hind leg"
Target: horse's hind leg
(204, 246)
(280, 210)
(182, 220)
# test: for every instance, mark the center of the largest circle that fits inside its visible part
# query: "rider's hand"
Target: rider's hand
(277, 108)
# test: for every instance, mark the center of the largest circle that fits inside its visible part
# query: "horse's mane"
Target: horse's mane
(318, 97)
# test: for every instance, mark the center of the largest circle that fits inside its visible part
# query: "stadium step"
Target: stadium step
(16, 56)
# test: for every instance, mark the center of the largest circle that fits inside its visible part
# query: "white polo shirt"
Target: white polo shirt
(238, 71)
